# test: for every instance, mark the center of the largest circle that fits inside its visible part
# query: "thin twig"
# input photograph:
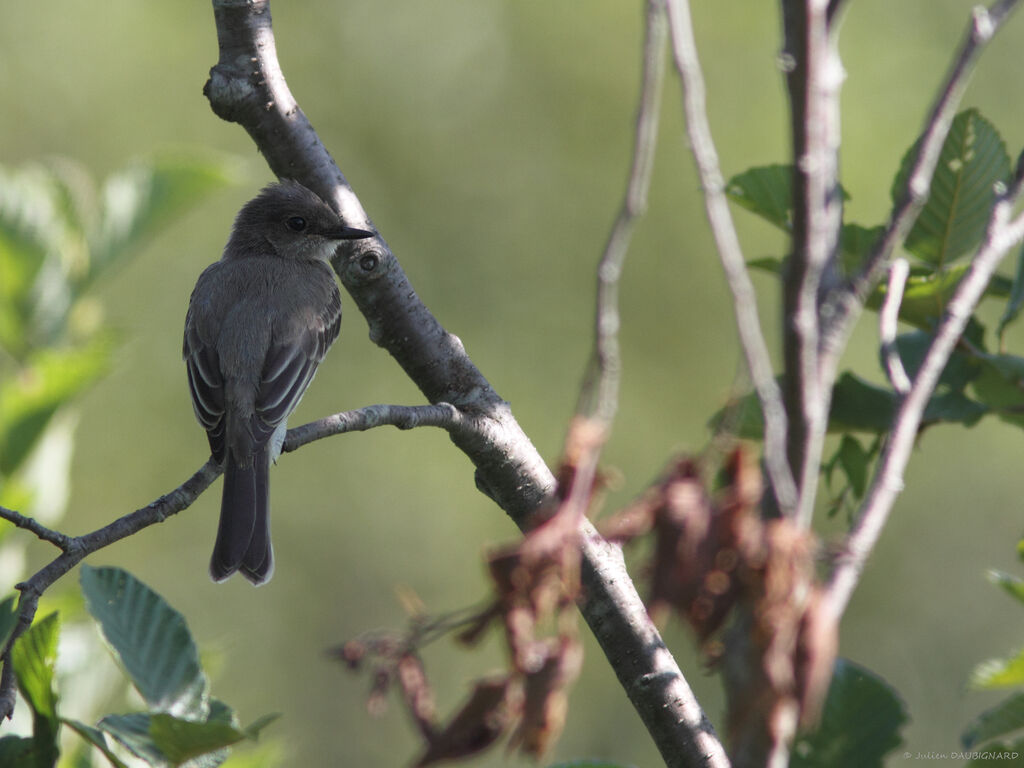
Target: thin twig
(755, 350)
(1003, 232)
(443, 415)
(888, 322)
(599, 393)
(43, 533)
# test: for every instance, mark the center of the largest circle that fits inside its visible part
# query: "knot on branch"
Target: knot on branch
(232, 90)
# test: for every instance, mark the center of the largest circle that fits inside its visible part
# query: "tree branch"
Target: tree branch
(814, 75)
(1003, 232)
(76, 548)
(247, 86)
(748, 325)
(599, 393)
(888, 322)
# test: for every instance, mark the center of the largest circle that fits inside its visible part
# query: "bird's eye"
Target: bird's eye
(296, 223)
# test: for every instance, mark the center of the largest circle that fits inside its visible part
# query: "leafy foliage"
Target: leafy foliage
(60, 232)
(860, 723)
(156, 649)
(973, 161)
(1007, 717)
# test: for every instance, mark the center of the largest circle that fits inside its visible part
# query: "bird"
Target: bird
(259, 322)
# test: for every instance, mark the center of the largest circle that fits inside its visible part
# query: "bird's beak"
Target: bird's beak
(347, 233)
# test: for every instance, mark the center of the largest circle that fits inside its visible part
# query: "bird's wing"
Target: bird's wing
(206, 385)
(297, 347)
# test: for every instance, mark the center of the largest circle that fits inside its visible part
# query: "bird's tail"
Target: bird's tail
(243, 535)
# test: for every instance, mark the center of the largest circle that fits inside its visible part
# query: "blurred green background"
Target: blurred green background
(490, 142)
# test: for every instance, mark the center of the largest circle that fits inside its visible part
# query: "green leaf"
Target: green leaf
(857, 406)
(1014, 585)
(34, 658)
(972, 161)
(860, 406)
(959, 371)
(999, 673)
(18, 752)
(769, 264)
(588, 764)
(139, 200)
(50, 379)
(163, 739)
(925, 295)
(855, 462)
(766, 191)
(132, 730)
(8, 619)
(855, 244)
(1004, 718)
(1015, 300)
(1000, 386)
(27, 235)
(95, 737)
(860, 722)
(150, 639)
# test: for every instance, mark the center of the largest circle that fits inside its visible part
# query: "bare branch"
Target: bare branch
(1003, 233)
(755, 350)
(246, 86)
(599, 393)
(813, 77)
(441, 415)
(888, 320)
(43, 533)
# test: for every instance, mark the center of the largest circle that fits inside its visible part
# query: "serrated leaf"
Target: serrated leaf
(972, 162)
(1014, 585)
(860, 722)
(1004, 718)
(999, 673)
(150, 639)
(95, 737)
(139, 200)
(50, 379)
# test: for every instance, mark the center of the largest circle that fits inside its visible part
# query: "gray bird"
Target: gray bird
(259, 323)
